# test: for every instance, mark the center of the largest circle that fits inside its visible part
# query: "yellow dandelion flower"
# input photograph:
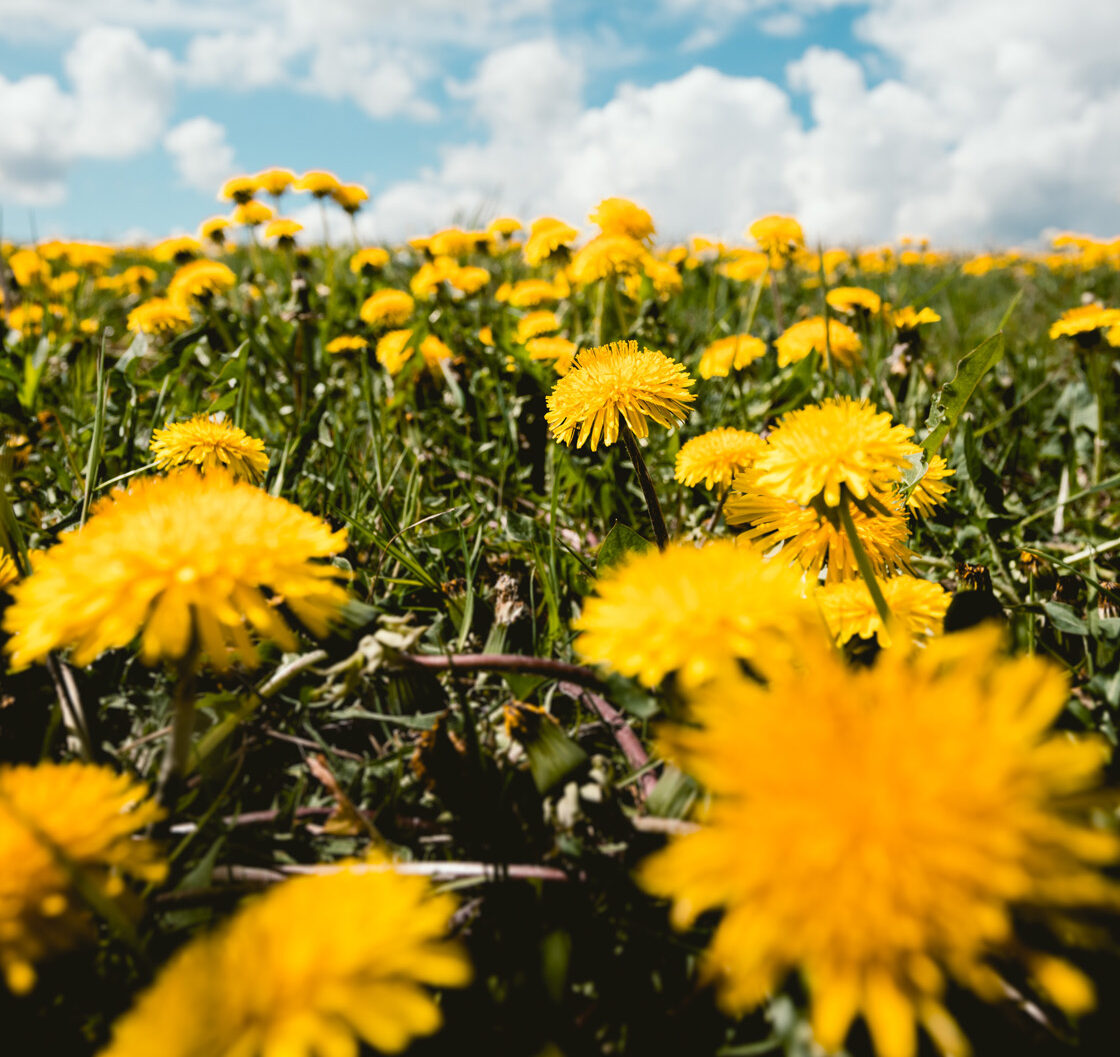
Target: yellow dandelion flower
(1084, 320)
(910, 318)
(534, 324)
(347, 343)
(620, 216)
(26, 318)
(393, 350)
(546, 236)
(839, 442)
(309, 968)
(454, 242)
(429, 275)
(9, 574)
(28, 268)
(909, 810)
(175, 561)
(433, 350)
(486, 336)
(178, 248)
(351, 197)
(469, 280)
(90, 816)
(284, 229)
(779, 236)
(745, 266)
(810, 335)
(319, 182)
(199, 280)
(528, 293)
(560, 352)
(208, 443)
(372, 258)
(665, 277)
(695, 611)
(387, 308)
(717, 456)
(213, 229)
(252, 214)
(607, 255)
(813, 536)
(238, 189)
(503, 227)
(734, 352)
(854, 298)
(159, 315)
(917, 606)
(615, 380)
(274, 181)
(930, 491)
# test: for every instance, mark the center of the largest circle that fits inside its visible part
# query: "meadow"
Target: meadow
(557, 644)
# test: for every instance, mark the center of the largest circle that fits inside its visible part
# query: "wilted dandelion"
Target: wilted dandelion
(90, 817)
(307, 969)
(207, 444)
(877, 829)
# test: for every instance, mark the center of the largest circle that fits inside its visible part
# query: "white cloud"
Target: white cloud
(203, 159)
(119, 102)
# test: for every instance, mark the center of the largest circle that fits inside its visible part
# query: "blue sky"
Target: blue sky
(983, 122)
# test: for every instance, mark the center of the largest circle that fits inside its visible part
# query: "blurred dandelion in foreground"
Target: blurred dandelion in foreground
(306, 970)
(910, 810)
(56, 819)
(918, 607)
(183, 562)
(208, 443)
(9, 574)
(698, 612)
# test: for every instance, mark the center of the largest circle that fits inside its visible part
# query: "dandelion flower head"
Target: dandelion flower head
(159, 315)
(779, 236)
(91, 816)
(560, 352)
(1085, 319)
(274, 181)
(917, 607)
(734, 352)
(199, 280)
(347, 343)
(840, 442)
(394, 350)
(546, 236)
(208, 443)
(811, 335)
(696, 611)
(617, 380)
(283, 228)
(371, 258)
(252, 214)
(9, 574)
(931, 489)
(350, 197)
(853, 298)
(607, 255)
(319, 182)
(177, 561)
(239, 189)
(387, 308)
(717, 456)
(620, 216)
(307, 969)
(906, 811)
(910, 318)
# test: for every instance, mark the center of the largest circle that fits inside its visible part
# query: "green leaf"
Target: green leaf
(673, 795)
(955, 394)
(618, 544)
(1064, 618)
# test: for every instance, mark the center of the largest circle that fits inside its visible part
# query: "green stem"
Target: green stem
(863, 561)
(182, 726)
(657, 519)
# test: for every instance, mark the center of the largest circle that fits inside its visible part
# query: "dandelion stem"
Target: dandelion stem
(657, 519)
(862, 560)
(182, 726)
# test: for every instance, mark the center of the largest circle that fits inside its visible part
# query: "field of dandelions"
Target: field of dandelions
(520, 641)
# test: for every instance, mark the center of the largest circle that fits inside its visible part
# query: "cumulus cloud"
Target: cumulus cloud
(120, 97)
(202, 157)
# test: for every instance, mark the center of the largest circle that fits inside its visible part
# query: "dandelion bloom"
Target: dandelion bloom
(609, 381)
(696, 611)
(839, 442)
(208, 443)
(853, 298)
(159, 315)
(909, 811)
(214, 230)
(734, 352)
(528, 293)
(930, 491)
(386, 308)
(178, 248)
(717, 456)
(910, 318)
(91, 816)
(173, 561)
(433, 350)
(469, 280)
(284, 229)
(393, 350)
(307, 969)
(810, 335)
(199, 280)
(620, 216)
(560, 352)
(351, 197)
(252, 214)
(9, 574)
(319, 182)
(917, 606)
(371, 258)
(274, 181)
(546, 236)
(779, 236)
(812, 536)
(607, 255)
(745, 266)
(503, 227)
(427, 278)
(534, 324)
(347, 343)
(1085, 319)
(239, 189)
